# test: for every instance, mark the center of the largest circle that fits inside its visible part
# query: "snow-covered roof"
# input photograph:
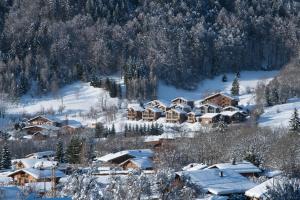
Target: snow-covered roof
(38, 174)
(49, 118)
(155, 110)
(194, 166)
(220, 93)
(28, 162)
(45, 164)
(208, 105)
(141, 163)
(210, 180)
(179, 111)
(5, 180)
(73, 124)
(136, 153)
(136, 107)
(182, 98)
(243, 167)
(260, 190)
(229, 113)
(231, 107)
(41, 154)
(271, 173)
(209, 115)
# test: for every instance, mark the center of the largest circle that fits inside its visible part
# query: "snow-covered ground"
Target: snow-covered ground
(78, 99)
(279, 115)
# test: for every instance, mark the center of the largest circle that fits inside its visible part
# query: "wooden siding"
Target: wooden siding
(149, 115)
(174, 117)
(134, 115)
(221, 100)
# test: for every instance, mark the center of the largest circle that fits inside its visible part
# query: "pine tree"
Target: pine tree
(295, 122)
(59, 155)
(73, 151)
(224, 78)
(267, 96)
(235, 90)
(113, 130)
(5, 157)
(99, 130)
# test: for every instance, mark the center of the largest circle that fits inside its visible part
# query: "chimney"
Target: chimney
(221, 174)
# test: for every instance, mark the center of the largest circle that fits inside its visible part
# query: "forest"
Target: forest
(45, 44)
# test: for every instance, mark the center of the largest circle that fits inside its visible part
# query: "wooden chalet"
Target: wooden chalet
(32, 175)
(221, 99)
(151, 114)
(210, 118)
(181, 100)
(233, 116)
(209, 108)
(231, 108)
(40, 136)
(135, 112)
(156, 142)
(176, 116)
(41, 120)
(193, 117)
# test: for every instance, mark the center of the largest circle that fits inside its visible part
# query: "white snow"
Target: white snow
(279, 115)
(259, 191)
(239, 167)
(136, 153)
(209, 180)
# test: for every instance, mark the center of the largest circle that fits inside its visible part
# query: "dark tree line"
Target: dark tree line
(111, 86)
(46, 44)
(141, 130)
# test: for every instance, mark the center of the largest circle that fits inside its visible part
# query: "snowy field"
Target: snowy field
(279, 115)
(78, 99)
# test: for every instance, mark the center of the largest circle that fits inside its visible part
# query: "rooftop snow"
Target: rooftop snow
(229, 113)
(209, 180)
(137, 153)
(239, 167)
(38, 174)
(142, 163)
(41, 154)
(260, 190)
(28, 162)
(136, 107)
(210, 115)
(194, 166)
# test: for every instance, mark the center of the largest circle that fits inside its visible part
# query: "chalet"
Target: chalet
(143, 163)
(162, 105)
(135, 112)
(233, 116)
(209, 108)
(181, 100)
(193, 117)
(244, 168)
(217, 182)
(210, 118)
(156, 142)
(25, 163)
(151, 114)
(176, 116)
(40, 135)
(72, 126)
(42, 120)
(31, 175)
(122, 156)
(221, 99)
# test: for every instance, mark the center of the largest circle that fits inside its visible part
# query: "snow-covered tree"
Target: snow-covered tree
(295, 122)
(59, 154)
(74, 150)
(287, 190)
(235, 89)
(5, 157)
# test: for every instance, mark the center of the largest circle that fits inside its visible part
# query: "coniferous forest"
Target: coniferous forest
(45, 44)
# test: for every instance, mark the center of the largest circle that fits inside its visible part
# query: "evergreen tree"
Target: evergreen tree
(73, 151)
(59, 154)
(224, 78)
(267, 97)
(126, 130)
(235, 90)
(113, 130)
(5, 157)
(1, 167)
(222, 126)
(99, 130)
(295, 122)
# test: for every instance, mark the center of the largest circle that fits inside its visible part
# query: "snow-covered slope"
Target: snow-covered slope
(78, 99)
(279, 115)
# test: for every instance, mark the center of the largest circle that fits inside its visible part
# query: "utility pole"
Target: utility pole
(53, 181)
